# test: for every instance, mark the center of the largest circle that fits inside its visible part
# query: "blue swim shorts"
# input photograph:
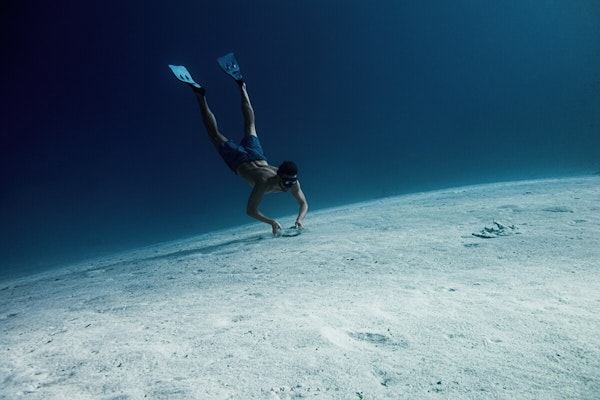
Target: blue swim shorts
(235, 155)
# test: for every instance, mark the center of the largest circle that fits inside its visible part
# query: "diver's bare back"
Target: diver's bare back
(258, 171)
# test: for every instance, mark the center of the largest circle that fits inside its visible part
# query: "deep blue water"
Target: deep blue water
(103, 149)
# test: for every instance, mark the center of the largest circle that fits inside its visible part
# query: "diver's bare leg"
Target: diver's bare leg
(247, 111)
(210, 122)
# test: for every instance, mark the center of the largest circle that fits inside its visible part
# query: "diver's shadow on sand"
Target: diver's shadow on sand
(220, 247)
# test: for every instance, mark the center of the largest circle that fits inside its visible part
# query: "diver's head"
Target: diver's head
(288, 174)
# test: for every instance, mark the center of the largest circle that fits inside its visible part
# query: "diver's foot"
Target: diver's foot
(199, 90)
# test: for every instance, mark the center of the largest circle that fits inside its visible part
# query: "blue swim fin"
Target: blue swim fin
(230, 65)
(183, 75)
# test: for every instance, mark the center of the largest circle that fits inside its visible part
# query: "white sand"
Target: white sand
(391, 299)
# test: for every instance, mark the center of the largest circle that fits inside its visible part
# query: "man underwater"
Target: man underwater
(247, 159)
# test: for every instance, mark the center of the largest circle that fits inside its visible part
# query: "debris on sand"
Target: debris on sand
(497, 230)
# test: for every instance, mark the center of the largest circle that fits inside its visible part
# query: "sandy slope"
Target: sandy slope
(387, 299)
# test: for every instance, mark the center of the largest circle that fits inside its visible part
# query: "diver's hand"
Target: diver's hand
(276, 227)
(299, 225)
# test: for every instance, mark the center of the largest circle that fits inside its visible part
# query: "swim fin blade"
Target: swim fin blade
(230, 65)
(183, 75)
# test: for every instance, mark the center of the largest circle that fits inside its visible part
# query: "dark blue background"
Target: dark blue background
(102, 149)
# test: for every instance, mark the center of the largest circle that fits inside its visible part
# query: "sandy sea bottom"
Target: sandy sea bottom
(390, 299)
